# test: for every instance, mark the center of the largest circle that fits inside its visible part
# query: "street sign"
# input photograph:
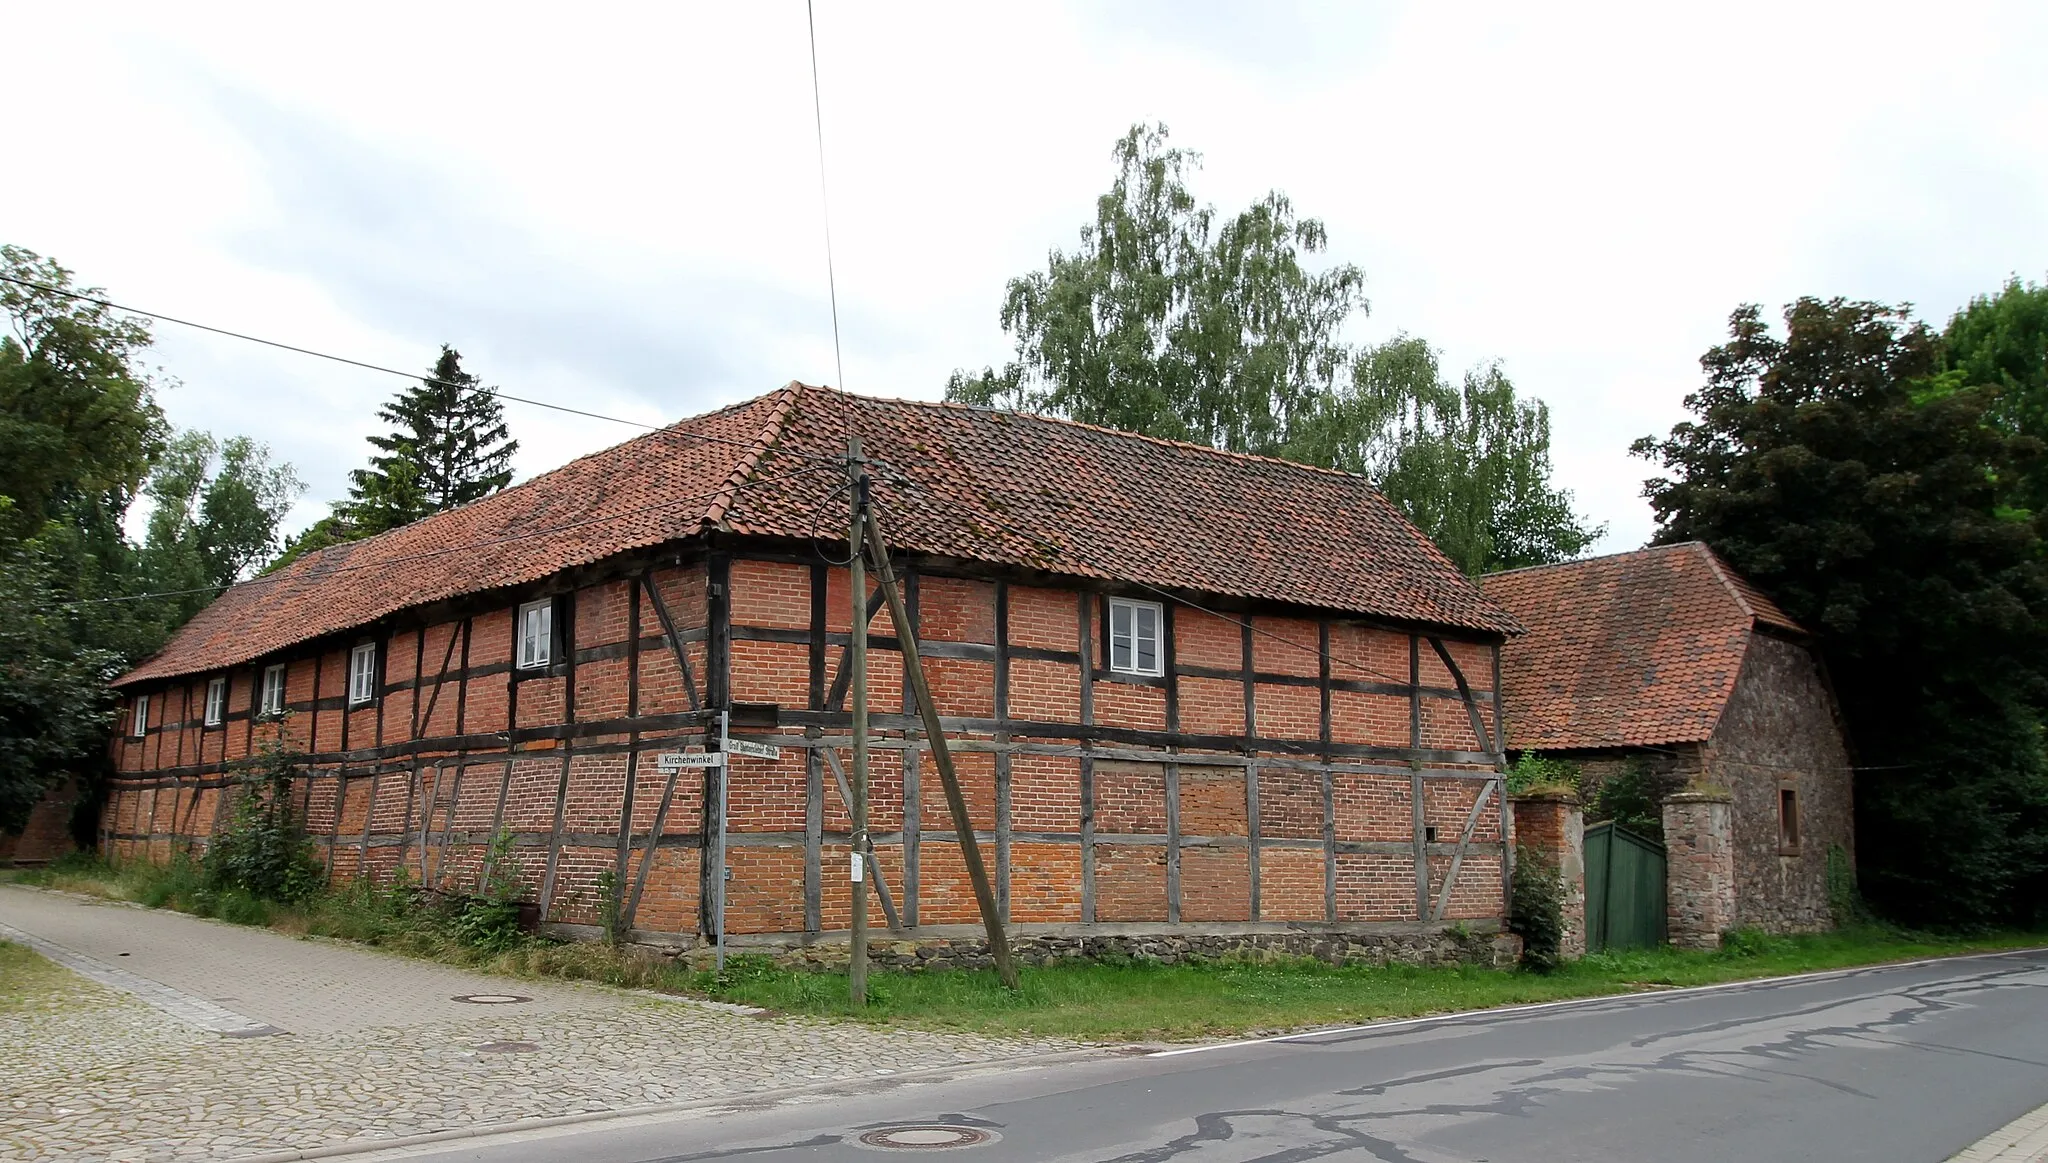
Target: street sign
(677, 760)
(753, 750)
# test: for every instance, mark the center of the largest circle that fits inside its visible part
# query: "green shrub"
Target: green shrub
(489, 919)
(1536, 910)
(1633, 798)
(609, 907)
(1753, 942)
(1533, 772)
(263, 851)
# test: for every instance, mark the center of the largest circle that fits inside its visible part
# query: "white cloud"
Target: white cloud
(620, 210)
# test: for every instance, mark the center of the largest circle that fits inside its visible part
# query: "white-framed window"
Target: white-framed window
(536, 634)
(272, 702)
(362, 674)
(216, 701)
(138, 717)
(1134, 629)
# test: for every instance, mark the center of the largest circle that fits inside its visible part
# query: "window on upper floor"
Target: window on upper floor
(1134, 629)
(272, 702)
(216, 701)
(362, 674)
(1788, 819)
(138, 717)
(535, 629)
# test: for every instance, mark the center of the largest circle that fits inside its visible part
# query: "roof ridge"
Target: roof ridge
(1190, 445)
(771, 433)
(1578, 561)
(309, 559)
(1713, 561)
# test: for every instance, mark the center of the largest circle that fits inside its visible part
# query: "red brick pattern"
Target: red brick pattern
(566, 840)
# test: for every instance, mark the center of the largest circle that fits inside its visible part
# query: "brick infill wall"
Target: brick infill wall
(1323, 773)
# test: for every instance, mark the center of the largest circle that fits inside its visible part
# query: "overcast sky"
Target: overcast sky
(617, 207)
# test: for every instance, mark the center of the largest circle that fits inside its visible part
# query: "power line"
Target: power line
(824, 195)
(342, 359)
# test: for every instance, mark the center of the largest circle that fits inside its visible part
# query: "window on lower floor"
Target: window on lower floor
(1788, 819)
(138, 718)
(216, 701)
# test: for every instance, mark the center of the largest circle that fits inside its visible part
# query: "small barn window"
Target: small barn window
(138, 720)
(362, 673)
(216, 701)
(1788, 819)
(1134, 636)
(272, 702)
(536, 634)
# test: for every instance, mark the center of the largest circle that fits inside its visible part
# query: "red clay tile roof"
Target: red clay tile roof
(984, 485)
(1635, 649)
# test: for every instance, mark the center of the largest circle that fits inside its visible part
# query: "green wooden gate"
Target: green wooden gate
(1624, 889)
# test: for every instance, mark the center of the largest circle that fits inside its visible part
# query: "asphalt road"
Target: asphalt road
(1906, 1064)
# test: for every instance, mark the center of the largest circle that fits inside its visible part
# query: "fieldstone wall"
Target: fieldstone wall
(1553, 825)
(1699, 880)
(1780, 732)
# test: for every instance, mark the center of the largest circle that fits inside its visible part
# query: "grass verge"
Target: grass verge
(26, 979)
(1090, 1002)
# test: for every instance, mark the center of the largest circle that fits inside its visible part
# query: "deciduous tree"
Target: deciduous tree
(1172, 321)
(1819, 464)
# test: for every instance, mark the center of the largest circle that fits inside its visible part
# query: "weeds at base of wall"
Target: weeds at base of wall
(1536, 910)
(1091, 1001)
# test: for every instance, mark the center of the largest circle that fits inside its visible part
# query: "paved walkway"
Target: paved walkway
(132, 1059)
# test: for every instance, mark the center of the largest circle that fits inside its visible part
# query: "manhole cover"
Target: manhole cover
(926, 1137)
(490, 999)
(508, 1047)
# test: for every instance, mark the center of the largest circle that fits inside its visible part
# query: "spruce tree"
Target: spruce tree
(448, 446)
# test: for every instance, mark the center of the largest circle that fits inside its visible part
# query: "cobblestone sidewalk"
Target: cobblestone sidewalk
(94, 1072)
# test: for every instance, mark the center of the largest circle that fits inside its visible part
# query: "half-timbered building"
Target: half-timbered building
(1190, 692)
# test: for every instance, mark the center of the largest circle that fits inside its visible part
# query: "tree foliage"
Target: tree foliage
(1822, 465)
(1163, 321)
(448, 446)
(2002, 341)
(1175, 322)
(78, 419)
(54, 709)
(217, 508)
(1468, 463)
(84, 438)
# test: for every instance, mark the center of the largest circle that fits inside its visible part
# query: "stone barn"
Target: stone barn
(1665, 660)
(1199, 700)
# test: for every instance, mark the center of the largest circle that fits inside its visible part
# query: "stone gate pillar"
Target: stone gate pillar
(1700, 874)
(1552, 824)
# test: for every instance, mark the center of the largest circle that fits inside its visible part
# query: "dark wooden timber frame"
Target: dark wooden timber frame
(429, 768)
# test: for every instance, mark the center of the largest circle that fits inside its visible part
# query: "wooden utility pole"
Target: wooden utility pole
(857, 659)
(963, 825)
